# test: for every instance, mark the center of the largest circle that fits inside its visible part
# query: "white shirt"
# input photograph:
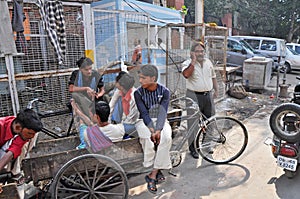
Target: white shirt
(114, 132)
(201, 79)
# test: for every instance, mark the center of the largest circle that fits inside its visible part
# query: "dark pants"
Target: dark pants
(206, 106)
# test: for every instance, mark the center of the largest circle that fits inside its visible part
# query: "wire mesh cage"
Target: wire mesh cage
(180, 38)
(36, 67)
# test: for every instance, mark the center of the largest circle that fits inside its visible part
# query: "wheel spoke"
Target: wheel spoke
(83, 180)
(101, 175)
(106, 181)
(75, 180)
(222, 140)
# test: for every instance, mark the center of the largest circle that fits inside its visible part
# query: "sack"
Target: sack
(97, 140)
(238, 92)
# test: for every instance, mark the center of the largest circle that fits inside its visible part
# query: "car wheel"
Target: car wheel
(288, 68)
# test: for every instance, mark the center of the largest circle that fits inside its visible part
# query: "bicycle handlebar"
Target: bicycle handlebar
(190, 103)
(31, 102)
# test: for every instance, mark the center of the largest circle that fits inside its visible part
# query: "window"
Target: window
(234, 46)
(297, 49)
(268, 45)
(254, 43)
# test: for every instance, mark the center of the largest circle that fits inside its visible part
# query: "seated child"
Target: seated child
(122, 105)
(99, 115)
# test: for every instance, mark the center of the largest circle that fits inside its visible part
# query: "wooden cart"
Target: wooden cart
(77, 173)
(80, 172)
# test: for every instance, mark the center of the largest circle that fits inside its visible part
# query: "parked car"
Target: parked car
(294, 46)
(292, 60)
(271, 47)
(238, 51)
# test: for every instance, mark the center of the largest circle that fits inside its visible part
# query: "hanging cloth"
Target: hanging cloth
(18, 17)
(54, 23)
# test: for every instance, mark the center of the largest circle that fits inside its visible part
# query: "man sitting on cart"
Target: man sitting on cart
(152, 100)
(87, 87)
(15, 132)
(122, 104)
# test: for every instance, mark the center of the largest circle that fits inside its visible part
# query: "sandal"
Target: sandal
(160, 177)
(151, 184)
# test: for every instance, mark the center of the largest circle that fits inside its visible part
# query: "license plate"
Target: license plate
(287, 163)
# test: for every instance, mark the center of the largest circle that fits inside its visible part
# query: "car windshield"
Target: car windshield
(291, 50)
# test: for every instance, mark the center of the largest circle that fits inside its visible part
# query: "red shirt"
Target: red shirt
(126, 101)
(7, 134)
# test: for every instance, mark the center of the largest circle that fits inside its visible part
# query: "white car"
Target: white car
(294, 46)
(292, 60)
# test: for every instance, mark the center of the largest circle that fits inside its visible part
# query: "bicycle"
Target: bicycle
(34, 104)
(226, 136)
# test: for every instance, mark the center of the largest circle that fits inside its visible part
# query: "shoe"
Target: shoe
(195, 154)
(81, 146)
(160, 178)
(151, 184)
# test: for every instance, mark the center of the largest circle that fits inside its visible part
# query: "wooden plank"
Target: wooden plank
(7, 44)
(46, 165)
(45, 147)
(9, 191)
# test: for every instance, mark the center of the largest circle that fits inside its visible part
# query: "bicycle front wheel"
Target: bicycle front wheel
(221, 139)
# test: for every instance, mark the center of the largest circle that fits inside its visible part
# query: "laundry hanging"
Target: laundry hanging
(18, 17)
(54, 23)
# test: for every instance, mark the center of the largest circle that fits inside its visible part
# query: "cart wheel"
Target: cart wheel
(91, 176)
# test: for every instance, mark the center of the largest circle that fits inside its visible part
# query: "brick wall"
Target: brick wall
(175, 3)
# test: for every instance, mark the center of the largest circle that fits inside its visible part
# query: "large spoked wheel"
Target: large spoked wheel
(285, 122)
(221, 140)
(91, 176)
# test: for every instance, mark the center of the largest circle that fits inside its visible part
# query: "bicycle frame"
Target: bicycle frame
(48, 132)
(197, 116)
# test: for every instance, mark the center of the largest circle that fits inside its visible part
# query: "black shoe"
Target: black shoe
(195, 154)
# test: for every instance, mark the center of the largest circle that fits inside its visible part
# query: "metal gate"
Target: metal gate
(37, 72)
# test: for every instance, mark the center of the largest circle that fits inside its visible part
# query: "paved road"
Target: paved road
(254, 175)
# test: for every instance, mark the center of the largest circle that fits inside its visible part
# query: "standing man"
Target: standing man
(152, 100)
(86, 87)
(201, 85)
(137, 53)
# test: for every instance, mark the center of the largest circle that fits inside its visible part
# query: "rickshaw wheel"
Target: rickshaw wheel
(91, 176)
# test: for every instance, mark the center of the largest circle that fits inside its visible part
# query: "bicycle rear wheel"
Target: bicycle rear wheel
(221, 139)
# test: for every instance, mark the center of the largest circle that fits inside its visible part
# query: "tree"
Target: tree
(273, 18)
(287, 14)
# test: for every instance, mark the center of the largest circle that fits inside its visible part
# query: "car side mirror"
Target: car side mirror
(244, 52)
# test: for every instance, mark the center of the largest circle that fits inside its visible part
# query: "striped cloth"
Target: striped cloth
(54, 23)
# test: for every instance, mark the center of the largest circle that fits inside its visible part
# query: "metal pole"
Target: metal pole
(12, 83)
(199, 11)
